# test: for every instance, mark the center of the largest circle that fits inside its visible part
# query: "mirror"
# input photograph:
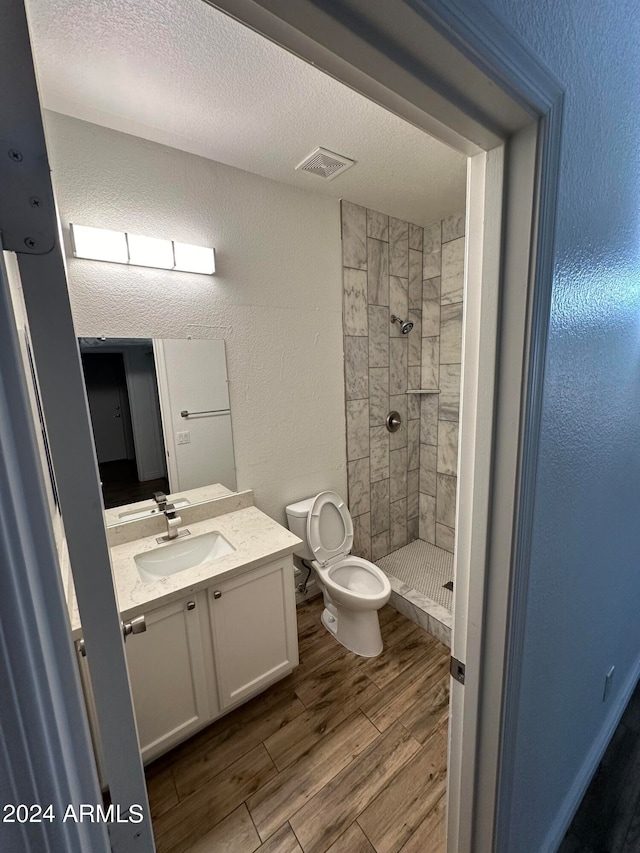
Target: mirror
(161, 415)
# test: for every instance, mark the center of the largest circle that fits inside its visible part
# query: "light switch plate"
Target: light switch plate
(184, 437)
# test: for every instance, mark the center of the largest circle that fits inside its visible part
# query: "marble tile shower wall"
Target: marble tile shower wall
(442, 304)
(382, 267)
(393, 493)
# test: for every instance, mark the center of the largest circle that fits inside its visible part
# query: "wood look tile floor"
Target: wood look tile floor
(346, 755)
(120, 484)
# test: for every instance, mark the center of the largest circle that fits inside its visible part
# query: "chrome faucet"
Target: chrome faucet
(161, 499)
(171, 517)
(173, 521)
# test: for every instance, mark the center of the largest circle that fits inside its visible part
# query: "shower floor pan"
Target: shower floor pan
(418, 573)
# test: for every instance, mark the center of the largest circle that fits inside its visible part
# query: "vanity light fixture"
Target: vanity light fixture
(194, 258)
(100, 244)
(150, 252)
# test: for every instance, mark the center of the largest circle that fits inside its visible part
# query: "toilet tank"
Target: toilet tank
(297, 520)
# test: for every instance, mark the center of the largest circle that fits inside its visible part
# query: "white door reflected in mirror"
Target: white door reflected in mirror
(161, 416)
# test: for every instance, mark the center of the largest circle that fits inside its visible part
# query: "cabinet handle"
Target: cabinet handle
(191, 605)
(217, 594)
(136, 626)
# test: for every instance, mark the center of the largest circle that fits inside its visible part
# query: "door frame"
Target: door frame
(170, 455)
(145, 431)
(45, 747)
(30, 228)
(462, 76)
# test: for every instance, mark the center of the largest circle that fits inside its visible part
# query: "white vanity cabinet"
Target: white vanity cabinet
(171, 673)
(207, 652)
(253, 621)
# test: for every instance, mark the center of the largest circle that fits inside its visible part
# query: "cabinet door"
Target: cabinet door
(254, 631)
(168, 673)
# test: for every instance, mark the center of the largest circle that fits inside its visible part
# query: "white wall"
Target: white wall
(276, 298)
(582, 614)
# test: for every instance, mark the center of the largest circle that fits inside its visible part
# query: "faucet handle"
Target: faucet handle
(160, 497)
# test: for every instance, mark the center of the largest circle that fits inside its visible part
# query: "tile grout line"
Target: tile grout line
(365, 834)
(293, 832)
(241, 755)
(246, 805)
(428, 814)
(350, 765)
(306, 802)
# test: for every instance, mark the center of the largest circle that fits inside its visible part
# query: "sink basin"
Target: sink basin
(149, 509)
(185, 553)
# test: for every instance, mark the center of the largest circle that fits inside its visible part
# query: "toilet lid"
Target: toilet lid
(329, 528)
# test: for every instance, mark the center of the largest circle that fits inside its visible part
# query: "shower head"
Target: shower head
(405, 327)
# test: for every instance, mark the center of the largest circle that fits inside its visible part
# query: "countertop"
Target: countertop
(257, 540)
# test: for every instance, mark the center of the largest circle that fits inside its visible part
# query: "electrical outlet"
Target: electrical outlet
(184, 437)
(608, 680)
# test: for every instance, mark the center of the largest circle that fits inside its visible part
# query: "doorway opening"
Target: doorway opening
(131, 466)
(399, 214)
(486, 272)
(393, 231)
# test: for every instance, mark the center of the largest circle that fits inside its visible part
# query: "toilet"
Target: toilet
(353, 589)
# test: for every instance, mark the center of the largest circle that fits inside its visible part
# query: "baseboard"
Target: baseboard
(561, 824)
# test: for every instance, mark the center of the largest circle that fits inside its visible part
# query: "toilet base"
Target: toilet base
(358, 631)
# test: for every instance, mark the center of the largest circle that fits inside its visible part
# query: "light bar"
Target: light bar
(100, 244)
(150, 252)
(194, 258)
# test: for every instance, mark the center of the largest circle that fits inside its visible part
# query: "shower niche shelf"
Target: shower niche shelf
(422, 391)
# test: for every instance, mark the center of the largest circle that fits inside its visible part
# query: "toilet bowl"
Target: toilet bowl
(353, 589)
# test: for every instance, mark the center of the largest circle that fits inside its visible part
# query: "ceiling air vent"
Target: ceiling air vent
(325, 164)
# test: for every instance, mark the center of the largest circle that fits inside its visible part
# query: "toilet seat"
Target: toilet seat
(354, 583)
(329, 528)
(358, 576)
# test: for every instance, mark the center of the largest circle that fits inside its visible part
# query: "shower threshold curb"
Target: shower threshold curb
(419, 608)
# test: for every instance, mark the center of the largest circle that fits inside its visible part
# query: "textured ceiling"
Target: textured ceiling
(183, 74)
